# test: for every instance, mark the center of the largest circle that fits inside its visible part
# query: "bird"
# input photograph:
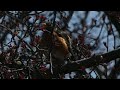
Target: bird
(61, 46)
(60, 50)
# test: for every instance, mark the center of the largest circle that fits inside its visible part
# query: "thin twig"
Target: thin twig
(51, 45)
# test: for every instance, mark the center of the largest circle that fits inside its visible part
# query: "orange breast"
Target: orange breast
(60, 48)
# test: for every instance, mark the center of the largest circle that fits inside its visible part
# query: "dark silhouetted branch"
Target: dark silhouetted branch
(114, 17)
(90, 62)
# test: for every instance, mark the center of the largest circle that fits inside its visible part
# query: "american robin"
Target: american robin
(61, 45)
(60, 49)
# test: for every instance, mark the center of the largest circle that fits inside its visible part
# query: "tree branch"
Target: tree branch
(114, 18)
(90, 62)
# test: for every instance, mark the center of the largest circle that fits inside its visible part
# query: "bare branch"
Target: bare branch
(90, 62)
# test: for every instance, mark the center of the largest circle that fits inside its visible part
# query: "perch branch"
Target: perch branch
(90, 62)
